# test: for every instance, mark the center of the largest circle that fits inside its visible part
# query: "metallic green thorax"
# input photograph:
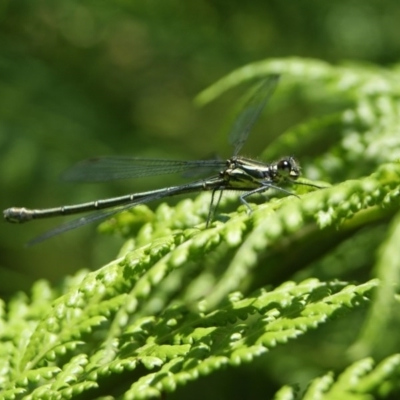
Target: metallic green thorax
(251, 174)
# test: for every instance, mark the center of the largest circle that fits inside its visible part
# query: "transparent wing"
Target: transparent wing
(251, 112)
(98, 216)
(103, 169)
(213, 164)
(78, 222)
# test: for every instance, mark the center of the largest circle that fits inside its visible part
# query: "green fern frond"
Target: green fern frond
(175, 347)
(181, 301)
(360, 120)
(359, 381)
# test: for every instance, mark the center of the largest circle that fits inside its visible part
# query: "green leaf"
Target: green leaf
(301, 286)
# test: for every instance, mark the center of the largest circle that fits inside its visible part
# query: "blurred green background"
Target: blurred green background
(80, 79)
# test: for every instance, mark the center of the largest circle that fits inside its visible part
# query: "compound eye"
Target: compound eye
(285, 166)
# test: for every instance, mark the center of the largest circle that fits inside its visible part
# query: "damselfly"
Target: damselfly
(237, 173)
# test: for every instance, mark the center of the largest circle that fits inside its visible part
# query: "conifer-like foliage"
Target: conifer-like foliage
(305, 287)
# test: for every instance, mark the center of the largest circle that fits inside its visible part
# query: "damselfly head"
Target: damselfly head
(287, 168)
